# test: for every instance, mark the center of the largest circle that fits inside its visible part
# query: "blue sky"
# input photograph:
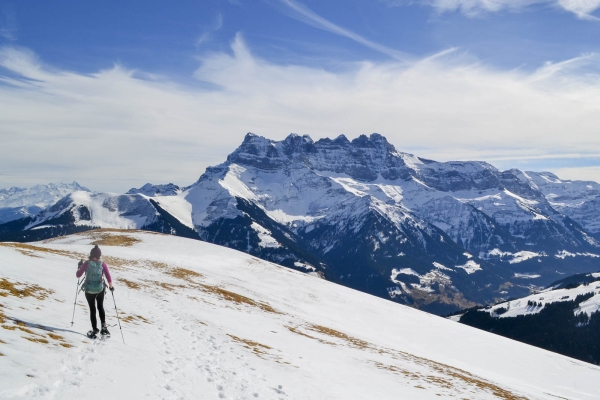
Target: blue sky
(512, 82)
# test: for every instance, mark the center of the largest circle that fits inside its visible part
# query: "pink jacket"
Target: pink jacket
(83, 268)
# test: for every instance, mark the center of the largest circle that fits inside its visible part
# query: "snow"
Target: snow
(548, 296)
(470, 267)
(16, 203)
(234, 184)
(564, 253)
(178, 207)
(524, 256)
(202, 321)
(526, 276)
(405, 271)
(304, 265)
(266, 240)
(516, 258)
(440, 266)
(39, 195)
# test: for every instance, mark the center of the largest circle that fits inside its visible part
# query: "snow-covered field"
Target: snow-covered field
(203, 322)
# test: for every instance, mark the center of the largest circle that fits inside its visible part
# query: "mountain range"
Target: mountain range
(439, 236)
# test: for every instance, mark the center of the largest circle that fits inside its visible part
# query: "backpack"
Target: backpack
(93, 277)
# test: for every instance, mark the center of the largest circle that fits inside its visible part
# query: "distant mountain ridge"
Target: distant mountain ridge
(17, 202)
(440, 236)
(564, 318)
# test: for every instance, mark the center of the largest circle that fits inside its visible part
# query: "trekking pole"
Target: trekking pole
(76, 293)
(118, 319)
(75, 303)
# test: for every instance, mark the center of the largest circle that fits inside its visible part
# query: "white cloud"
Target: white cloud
(118, 127)
(582, 8)
(578, 173)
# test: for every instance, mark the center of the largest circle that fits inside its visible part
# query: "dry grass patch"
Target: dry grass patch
(2, 341)
(354, 342)
(55, 336)
(36, 340)
(238, 298)
(8, 288)
(185, 274)
(156, 264)
(115, 262)
(133, 319)
(168, 286)
(107, 239)
(130, 284)
(299, 332)
(30, 250)
(67, 345)
(257, 348)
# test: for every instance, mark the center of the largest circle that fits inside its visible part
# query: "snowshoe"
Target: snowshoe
(92, 334)
(104, 332)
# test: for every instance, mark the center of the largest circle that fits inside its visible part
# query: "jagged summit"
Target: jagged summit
(364, 158)
(151, 190)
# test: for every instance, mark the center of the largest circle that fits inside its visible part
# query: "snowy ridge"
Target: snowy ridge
(151, 190)
(523, 305)
(198, 318)
(19, 202)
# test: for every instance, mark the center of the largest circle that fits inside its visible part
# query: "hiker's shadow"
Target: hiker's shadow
(46, 328)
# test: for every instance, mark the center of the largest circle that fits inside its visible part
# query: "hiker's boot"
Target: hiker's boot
(93, 333)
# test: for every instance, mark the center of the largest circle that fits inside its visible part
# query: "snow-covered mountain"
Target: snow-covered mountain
(564, 317)
(580, 200)
(203, 321)
(16, 202)
(80, 211)
(440, 236)
(149, 189)
(436, 235)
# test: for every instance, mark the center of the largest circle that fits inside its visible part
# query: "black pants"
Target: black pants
(92, 299)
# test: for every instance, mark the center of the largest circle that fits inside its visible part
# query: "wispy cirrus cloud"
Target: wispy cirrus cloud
(8, 23)
(151, 128)
(209, 31)
(581, 8)
(304, 14)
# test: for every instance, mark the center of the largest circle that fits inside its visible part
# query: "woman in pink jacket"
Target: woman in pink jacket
(94, 288)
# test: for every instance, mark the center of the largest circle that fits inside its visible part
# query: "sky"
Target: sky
(117, 94)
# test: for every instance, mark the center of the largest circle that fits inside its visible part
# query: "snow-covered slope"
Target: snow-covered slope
(16, 202)
(203, 321)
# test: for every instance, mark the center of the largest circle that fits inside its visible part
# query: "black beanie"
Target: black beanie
(95, 253)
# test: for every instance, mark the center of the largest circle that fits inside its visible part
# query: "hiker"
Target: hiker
(94, 288)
